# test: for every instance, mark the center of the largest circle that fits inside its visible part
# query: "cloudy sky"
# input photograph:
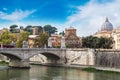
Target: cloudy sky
(86, 16)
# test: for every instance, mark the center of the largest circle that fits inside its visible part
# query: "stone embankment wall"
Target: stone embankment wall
(107, 58)
(94, 57)
(83, 56)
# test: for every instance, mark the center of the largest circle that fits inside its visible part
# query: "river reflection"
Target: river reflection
(54, 73)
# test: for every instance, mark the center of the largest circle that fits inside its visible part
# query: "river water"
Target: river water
(37, 72)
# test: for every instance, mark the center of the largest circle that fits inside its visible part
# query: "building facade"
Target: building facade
(116, 37)
(56, 40)
(35, 31)
(71, 39)
(31, 38)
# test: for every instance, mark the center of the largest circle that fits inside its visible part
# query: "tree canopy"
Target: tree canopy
(39, 28)
(6, 37)
(28, 28)
(47, 28)
(23, 36)
(95, 42)
(41, 40)
(13, 28)
(50, 29)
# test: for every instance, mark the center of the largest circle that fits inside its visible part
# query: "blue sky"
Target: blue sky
(86, 16)
(45, 11)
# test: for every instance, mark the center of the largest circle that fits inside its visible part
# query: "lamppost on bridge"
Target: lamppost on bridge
(63, 41)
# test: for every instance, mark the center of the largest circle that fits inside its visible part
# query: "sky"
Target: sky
(86, 16)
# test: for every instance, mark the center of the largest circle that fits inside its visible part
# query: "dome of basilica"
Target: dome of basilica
(106, 26)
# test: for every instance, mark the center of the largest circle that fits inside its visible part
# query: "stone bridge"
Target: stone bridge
(19, 57)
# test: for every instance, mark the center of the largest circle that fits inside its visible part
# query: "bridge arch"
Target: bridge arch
(50, 57)
(47, 54)
(11, 56)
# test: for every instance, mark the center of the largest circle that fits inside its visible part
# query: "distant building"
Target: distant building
(21, 29)
(106, 30)
(71, 39)
(56, 40)
(35, 31)
(116, 37)
(31, 39)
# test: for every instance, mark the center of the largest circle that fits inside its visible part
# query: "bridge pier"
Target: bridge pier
(19, 64)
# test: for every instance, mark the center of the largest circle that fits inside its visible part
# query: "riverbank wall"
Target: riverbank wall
(94, 57)
(107, 58)
(100, 59)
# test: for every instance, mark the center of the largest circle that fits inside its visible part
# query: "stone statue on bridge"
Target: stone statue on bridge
(25, 44)
(13, 43)
(49, 42)
(63, 42)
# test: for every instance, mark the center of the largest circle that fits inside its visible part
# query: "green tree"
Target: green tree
(68, 45)
(49, 29)
(22, 36)
(6, 37)
(40, 28)
(13, 37)
(106, 42)
(95, 42)
(13, 29)
(29, 29)
(41, 40)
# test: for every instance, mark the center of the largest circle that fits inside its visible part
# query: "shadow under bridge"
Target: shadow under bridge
(11, 56)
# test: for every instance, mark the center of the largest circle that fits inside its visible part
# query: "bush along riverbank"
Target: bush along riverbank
(4, 63)
(90, 69)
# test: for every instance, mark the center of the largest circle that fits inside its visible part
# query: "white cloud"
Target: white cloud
(5, 9)
(17, 15)
(90, 17)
